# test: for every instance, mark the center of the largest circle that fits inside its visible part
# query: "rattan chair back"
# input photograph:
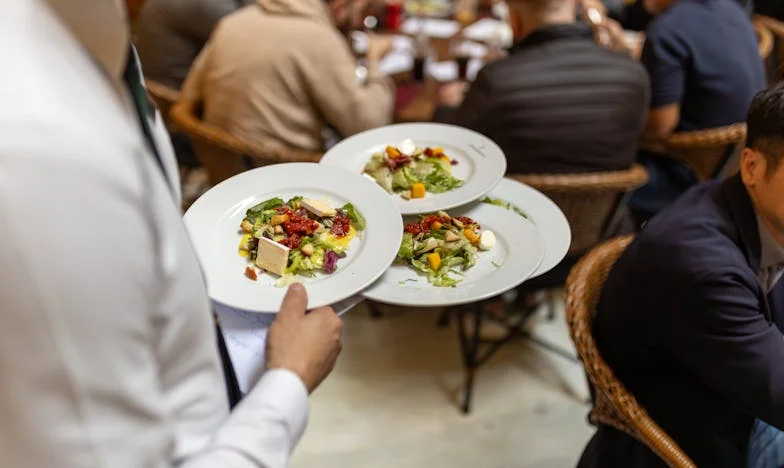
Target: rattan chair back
(223, 154)
(764, 39)
(613, 404)
(591, 202)
(775, 61)
(707, 152)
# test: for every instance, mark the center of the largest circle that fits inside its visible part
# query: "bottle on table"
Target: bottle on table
(421, 55)
(459, 49)
(393, 18)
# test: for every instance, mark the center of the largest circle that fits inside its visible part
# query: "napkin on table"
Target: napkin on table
(445, 72)
(430, 27)
(488, 30)
(399, 59)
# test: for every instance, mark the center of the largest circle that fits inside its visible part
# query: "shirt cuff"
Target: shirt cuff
(270, 419)
(284, 390)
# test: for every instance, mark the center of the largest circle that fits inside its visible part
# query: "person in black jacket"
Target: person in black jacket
(703, 60)
(559, 103)
(691, 316)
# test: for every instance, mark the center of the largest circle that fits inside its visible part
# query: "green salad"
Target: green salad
(298, 237)
(443, 247)
(412, 172)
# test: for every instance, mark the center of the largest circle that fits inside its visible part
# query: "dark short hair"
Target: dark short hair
(765, 125)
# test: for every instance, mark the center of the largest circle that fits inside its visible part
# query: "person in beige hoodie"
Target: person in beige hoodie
(279, 72)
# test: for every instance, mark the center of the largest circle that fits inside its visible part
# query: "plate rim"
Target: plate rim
(364, 281)
(330, 156)
(562, 222)
(367, 293)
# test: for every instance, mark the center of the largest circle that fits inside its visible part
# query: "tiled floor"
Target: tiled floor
(391, 401)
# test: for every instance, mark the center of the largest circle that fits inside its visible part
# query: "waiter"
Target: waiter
(107, 344)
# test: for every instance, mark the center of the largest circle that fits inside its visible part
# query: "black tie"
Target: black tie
(146, 112)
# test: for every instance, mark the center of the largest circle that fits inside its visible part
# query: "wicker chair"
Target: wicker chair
(707, 152)
(613, 404)
(225, 155)
(163, 96)
(589, 201)
(764, 39)
(775, 62)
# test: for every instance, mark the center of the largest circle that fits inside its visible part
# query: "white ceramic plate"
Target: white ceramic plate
(213, 223)
(516, 256)
(480, 162)
(544, 214)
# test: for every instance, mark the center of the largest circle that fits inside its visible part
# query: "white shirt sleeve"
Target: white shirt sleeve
(107, 343)
(263, 429)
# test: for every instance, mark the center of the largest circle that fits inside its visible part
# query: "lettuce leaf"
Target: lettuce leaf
(399, 180)
(505, 204)
(406, 250)
(441, 181)
(355, 216)
(270, 204)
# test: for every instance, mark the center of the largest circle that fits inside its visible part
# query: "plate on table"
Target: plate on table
(543, 213)
(517, 254)
(477, 161)
(214, 220)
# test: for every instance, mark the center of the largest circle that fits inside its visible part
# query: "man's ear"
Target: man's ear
(752, 166)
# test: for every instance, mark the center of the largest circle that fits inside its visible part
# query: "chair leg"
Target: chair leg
(374, 311)
(444, 318)
(470, 350)
(551, 301)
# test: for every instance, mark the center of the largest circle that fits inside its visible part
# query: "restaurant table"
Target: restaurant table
(416, 102)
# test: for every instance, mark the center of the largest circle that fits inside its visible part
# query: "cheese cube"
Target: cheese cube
(318, 207)
(487, 240)
(406, 147)
(272, 256)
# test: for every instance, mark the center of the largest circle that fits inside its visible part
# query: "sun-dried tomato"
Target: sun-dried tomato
(340, 226)
(413, 228)
(251, 273)
(394, 163)
(291, 242)
(300, 225)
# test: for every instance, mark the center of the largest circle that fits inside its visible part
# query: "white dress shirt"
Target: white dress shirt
(771, 257)
(107, 346)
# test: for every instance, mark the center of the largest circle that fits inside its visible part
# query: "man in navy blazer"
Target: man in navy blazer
(691, 316)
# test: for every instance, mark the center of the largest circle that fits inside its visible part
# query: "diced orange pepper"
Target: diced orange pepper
(434, 260)
(471, 236)
(418, 190)
(392, 152)
(279, 219)
(436, 226)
